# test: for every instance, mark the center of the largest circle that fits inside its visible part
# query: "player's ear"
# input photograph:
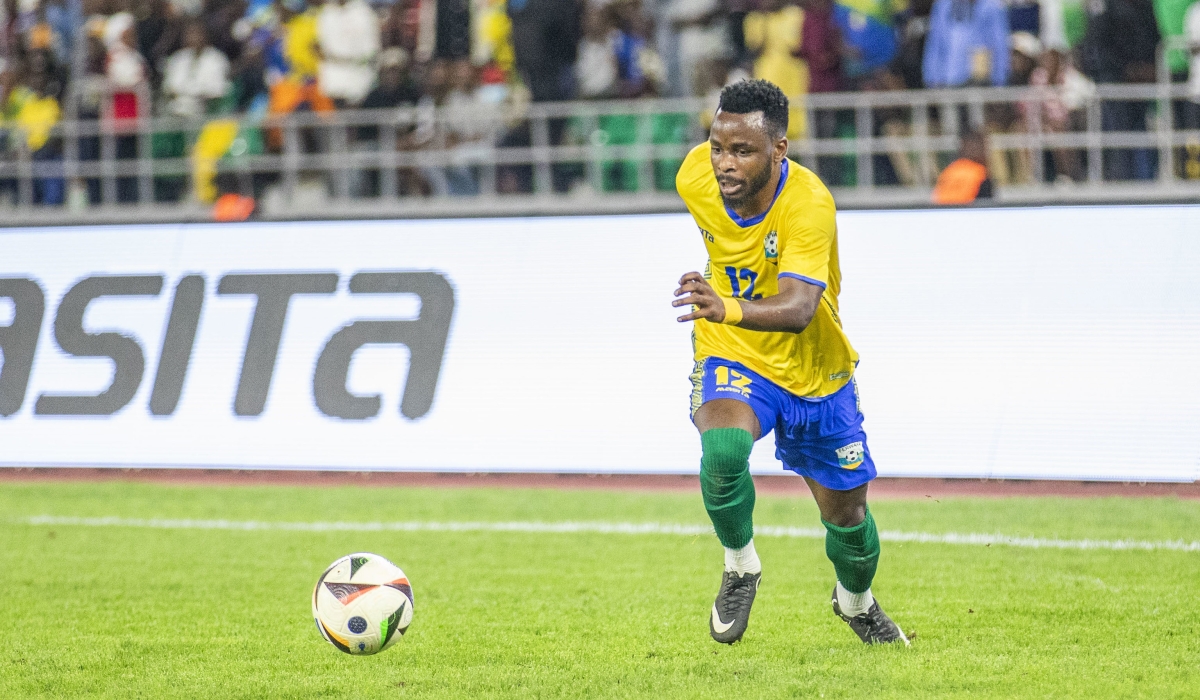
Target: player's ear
(781, 150)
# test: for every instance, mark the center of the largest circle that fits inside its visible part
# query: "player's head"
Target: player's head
(748, 138)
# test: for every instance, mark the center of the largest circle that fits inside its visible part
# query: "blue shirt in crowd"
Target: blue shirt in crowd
(958, 29)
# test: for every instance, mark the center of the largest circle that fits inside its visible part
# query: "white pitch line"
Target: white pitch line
(606, 529)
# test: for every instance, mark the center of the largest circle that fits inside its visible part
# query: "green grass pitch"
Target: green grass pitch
(136, 612)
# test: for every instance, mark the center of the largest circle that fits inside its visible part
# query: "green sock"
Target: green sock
(854, 552)
(726, 485)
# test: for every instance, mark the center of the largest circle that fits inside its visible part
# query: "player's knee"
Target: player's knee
(726, 453)
(847, 516)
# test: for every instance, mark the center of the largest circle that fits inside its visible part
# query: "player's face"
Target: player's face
(743, 154)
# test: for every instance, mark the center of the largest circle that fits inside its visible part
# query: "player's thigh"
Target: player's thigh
(726, 394)
(727, 413)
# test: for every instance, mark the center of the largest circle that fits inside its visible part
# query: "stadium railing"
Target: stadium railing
(876, 149)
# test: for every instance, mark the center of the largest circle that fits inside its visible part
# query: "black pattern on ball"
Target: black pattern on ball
(357, 625)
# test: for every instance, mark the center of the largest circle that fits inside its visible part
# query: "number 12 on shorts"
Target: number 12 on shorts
(731, 377)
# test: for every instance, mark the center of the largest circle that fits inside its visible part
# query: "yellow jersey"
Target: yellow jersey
(795, 237)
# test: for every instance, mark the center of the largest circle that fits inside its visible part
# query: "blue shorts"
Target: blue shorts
(820, 438)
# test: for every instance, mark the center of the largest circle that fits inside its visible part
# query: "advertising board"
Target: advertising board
(1023, 343)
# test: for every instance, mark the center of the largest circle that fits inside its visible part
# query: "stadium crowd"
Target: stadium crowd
(234, 61)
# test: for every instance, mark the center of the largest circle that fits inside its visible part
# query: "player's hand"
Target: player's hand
(701, 295)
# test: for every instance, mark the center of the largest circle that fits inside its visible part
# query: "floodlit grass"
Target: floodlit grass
(129, 612)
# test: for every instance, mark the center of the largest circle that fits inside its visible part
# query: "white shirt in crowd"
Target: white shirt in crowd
(596, 68)
(192, 77)
(125, 68)
(697, 42)
(349, 38)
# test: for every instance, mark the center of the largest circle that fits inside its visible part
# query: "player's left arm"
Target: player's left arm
(789, 311)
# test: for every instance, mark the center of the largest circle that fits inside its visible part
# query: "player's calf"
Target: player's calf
(854, 552)
(728, 492)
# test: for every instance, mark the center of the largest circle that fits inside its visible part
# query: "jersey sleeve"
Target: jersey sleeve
(807, 241)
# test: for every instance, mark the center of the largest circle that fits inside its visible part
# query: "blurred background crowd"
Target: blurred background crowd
(229, 61)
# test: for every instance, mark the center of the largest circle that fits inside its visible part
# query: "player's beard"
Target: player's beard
(754, 185)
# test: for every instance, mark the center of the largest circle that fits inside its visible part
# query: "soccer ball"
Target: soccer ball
(362, 603)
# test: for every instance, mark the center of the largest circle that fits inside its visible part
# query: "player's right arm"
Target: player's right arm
(789, 311)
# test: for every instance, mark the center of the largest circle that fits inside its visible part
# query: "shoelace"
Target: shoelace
(736, 595)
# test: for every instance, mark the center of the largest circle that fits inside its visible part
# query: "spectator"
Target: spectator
(965, 180)
(1189, 109)
(124, 67)
(703, 35)
(44, 36)
(466, 130)
(231, 206)
(219, 17)
(299, 44)
(1023, 58)
(738, 11)
(772, 35)
(1191, 31)
(821, 47)
(545, 38)
(127, 78)
(396, 88)
(36, 114)
(1065, 92)
(1024, 16)
(452, 29)
(195, 75)
(869, 40)
(898, 167)
(823, 51)
(159, 34)
(493, 47)
(545, 35)
(967, 44)
(91, 95)
(401, 27)
(1120, 47)
(1014, 166)
(349, 38)
(293, 64)
(912, 28)
(596, 65)
(639, 69)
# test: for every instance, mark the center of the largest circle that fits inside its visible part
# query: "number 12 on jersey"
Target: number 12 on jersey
(747, 274)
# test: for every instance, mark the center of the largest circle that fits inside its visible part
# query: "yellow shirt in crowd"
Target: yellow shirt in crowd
(774, 36)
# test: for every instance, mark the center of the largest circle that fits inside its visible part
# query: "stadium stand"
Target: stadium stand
(129, 110)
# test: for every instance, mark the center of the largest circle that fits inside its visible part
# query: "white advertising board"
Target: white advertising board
(1023, 343)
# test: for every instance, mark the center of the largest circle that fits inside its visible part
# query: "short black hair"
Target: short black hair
(746, 96)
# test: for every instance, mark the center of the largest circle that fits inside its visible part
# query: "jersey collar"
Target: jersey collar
(746, 223)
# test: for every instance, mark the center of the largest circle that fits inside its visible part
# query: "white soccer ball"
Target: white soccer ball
(362, 603)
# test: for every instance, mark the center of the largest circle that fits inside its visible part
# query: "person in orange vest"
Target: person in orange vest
(966, 179)
(232, 205)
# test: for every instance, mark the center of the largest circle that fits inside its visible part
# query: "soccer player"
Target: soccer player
(771, 355)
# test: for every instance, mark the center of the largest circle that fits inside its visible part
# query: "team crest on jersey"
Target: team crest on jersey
(850, 456)
(771, 246)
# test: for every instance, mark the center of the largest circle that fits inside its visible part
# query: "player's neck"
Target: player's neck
(761, 201)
